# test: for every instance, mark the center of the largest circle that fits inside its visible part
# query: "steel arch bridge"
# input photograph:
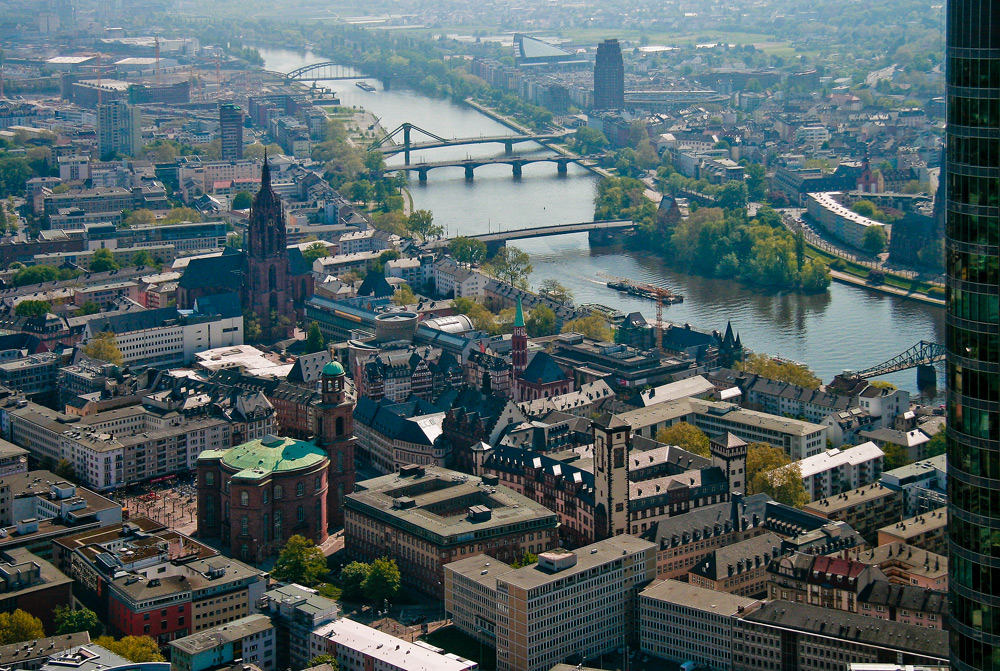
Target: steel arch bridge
(321, 71)
(923, 353)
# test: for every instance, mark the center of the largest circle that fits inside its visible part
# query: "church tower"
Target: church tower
(265, 282)
(519, 342)
(335, 434)
(612, 440)
(730, 454)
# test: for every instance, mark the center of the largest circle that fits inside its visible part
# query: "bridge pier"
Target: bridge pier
(494, 246)
(470, 171)
(926, 376)
(561, 167)
(406, 142)
(422, 174)
(516, 167)
(508, 148)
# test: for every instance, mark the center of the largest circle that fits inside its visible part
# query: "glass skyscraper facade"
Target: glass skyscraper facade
(609, 76)
(972, 174)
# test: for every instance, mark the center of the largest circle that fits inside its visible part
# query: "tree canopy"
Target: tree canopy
(32, 308)
(511, 265)
(765, 366)
(102, 261)
(593, 326)
(133, 648)
(467, 250)
(104, 347)
(300, 561)
(19, 626)
(687, 437)
(382, 582)
(314, 340)
(69, 621)
(770, 471)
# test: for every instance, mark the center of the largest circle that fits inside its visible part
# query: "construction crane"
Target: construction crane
(659, 294)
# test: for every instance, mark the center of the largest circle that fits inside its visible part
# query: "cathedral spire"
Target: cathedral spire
(265, 173)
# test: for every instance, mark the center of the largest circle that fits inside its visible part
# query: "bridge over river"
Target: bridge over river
(601, 232)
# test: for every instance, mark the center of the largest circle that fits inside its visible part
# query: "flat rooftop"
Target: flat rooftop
(692, 596)
(850, 499)
(587, 557)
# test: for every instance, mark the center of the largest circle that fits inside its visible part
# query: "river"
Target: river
(847, 328)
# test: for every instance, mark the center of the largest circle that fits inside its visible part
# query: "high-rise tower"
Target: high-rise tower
(265, 284)
(119, 129)
(609, 76)
(231, 131)
(972, 330)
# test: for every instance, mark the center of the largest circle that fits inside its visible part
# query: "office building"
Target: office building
(360, 648)
(927, 531)
(569, 605)
(425, 517)
(296, 612)
(683, 622)
(609, 76)
(231, 131)
(119, 129)
(866, 509)
(31, 584)
(973, 312)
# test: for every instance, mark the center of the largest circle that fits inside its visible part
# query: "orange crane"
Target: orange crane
(660, 294)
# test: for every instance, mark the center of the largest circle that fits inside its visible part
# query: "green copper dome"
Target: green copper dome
(333, 369)
(271, 454)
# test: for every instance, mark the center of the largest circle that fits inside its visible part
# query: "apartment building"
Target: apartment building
(297, 612)
(867, 509)
(569, 605)
(927, 531)
(683, 622)
(924, 484)
(799, 439)
(836, 471)
(250, 639)
(830, 582)
(906, 565)
(426, 517)
(739, 568)
(35, 374)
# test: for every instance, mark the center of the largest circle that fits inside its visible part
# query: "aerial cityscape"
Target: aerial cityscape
(419, 335)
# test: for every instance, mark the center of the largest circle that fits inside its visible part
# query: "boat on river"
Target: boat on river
(364, 86)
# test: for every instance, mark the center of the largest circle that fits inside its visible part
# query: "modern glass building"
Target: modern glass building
(972, 167)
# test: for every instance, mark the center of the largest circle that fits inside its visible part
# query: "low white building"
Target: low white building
(835, 471)
(683, 622)
(361, 648)
(839, 221)
(168, 337)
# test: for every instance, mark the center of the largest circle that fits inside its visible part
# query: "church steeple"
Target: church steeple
(265, 173)
(519, 343)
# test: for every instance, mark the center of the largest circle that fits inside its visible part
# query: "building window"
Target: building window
(278, 492)
(277, 526)
(340, 426)
(266, 530)
(244, 498)
(300, 489)
(340, 461)
(301, 514)
(209, 478)
(225, 511)
(245, 525)
(317, 483)
(244, 552)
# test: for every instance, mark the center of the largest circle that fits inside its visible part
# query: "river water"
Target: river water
(847, 328)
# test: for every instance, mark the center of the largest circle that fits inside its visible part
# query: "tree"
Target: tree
(325, 658)
(139, 218)
(69, 621)
(800, 249)
(587, 140)
(300, 561)
(65, 470)
(382, 582)
(102, 261)
(35, 275)
(756, 181)
(88, 308)
(770, 471)
(895, 456)
(734, 195)
(104, 347)
(352, 580)
(593, 326)
(362, 191)
(765, 366)
(555, 290)
(687, 437)
(526, 559)
(938, 444)
(32, 308)
(421, 223)
(865, 208)
(19, 626)
(314, 341)
(242, 201)
(182, 214)
(467, 250)
(316, 250)
(541, 321)
(136, 649)
(251, 326)
(143, 258)
(404, 295)
(512, 266)
(874, 239)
